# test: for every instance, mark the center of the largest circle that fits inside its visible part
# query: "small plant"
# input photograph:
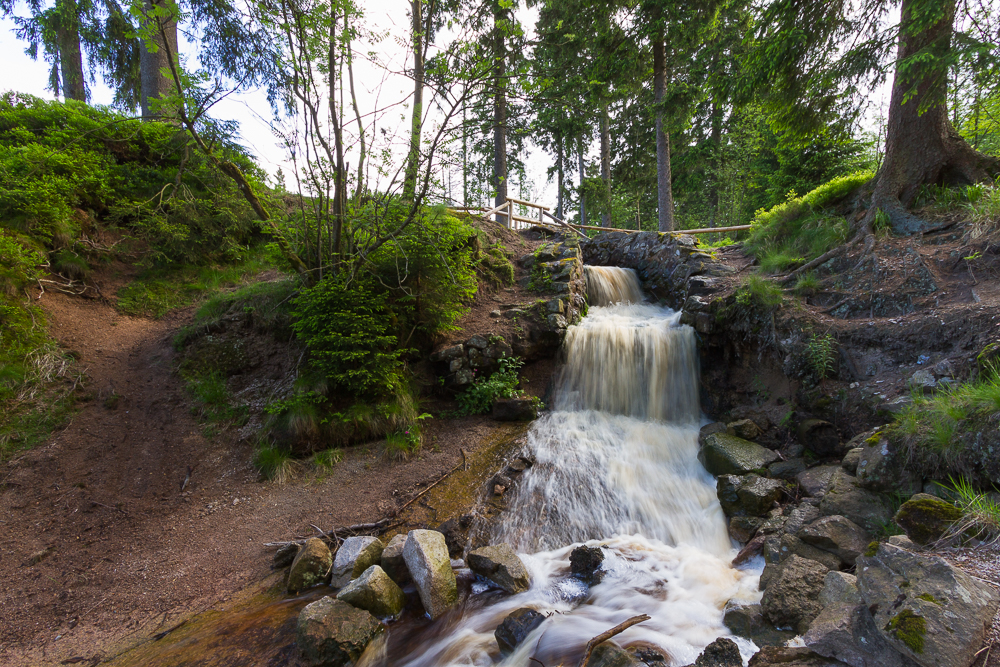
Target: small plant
(760, 292)
(539, 279)
(479, 398)
(981, 511)
(821, 355)
(328, 458)
(274, 463)
(807, 284)
(882, 224)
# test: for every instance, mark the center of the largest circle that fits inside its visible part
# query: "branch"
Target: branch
(608, 634)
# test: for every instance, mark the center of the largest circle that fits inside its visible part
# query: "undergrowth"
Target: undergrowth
(478, 399)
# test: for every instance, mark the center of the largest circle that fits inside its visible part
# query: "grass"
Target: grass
(275, 463)
(981, 511)
(799, 229)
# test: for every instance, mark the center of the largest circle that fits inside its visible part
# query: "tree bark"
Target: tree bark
(583, 176)
(559, 171)
(153, 82)
(922, 147)
(340, 175)
(664, 195)
(606, 164)
(70, 53)
(499, 113)
(359, 191)
(416, 116)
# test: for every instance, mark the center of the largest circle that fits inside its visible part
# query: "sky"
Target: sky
(376, 86)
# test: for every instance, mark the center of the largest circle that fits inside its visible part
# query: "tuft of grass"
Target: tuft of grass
(328, 458)
(69, 264)
(214, 400)
(401, 445)
(807, 284)
(980, 511)
(275, 463)
(759, 292)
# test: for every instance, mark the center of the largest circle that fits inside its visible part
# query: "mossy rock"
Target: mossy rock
(725, 454)
(925, 518)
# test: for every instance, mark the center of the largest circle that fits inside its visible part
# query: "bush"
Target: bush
(479, 398)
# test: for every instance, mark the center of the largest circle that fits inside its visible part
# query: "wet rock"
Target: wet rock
(456, 529)
(585, 564)
(743, 528)
(926, 519)
(787, 470)
(500, 564)
(818, 436)
(515, 628)
(710, 429)
(845, 498)
(840, 588)
(748, 621)
(791, 598)
(792, 545)
(426, 556)
(783, 656)
(648, 655)
(354, 556)
(882, 467)
(311, 566)
(922, 382)
(925, 608)
(851, 460)
(514, 410)
(838, 535)
(744, 428)
(332, 633)
(749, 495)
(816, 481)
(847, 633)
(392, 560)
(724, 454)
(610, 654)
(722, 652)
(752, 549)
(284, 556)
(374, 592)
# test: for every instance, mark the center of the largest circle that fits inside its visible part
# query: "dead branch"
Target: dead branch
(608, 634)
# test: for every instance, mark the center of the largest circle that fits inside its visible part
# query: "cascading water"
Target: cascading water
(616, 466)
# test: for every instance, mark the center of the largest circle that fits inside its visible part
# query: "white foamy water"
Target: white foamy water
(616, 466)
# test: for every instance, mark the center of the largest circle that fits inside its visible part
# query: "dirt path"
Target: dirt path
(101, 547)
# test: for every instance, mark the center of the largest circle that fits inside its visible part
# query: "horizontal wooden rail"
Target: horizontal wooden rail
(528, 203)
(706, 230)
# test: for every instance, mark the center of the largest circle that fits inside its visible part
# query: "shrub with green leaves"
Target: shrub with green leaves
(502, 383)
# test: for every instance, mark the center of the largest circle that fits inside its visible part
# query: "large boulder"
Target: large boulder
(840, 588)
(815, 482)
(748, 495)
(375, 592)
(518, 625)
(847, 633)
(882, 466)
(585, 564)
(722, 652)
(792, 596)
(392, 560)
(744, 428)
(820, 437)
(924, 607)
(748, 621)
(332, 633)
(354, 556)
(783, 656)
(925, 518)
(838, 535)
(311, 566)
(845, 498)
(426, 556)
(515, 409)
(456, 529)
(500, 564)
(610, 654)
(725, 454)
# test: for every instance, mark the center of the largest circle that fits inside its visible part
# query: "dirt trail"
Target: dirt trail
(101, 547)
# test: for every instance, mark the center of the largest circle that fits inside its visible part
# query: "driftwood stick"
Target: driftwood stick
(608, 634)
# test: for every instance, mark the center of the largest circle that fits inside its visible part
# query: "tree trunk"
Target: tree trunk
(70, 54)
(499, 113)
(359, 191)
(921, 146)
(154, 84)
(606, 164)
(559, 171)
(416, 117)
(583, 176)
(715, 163)
(339, 175)
(664, 195)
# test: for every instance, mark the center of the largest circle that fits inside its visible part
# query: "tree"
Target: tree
(57, 29)
(154, 57)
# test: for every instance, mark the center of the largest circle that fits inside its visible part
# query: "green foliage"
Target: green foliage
(981, 511)
(807, 284)
(502, 383)
(495, 267)
(759, 293)
(328, 458)
(401, 445)
(909, 628)
(799, 229)
(274, 463)
(214, 401)
(821, 355)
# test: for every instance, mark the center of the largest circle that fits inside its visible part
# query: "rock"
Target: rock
(840, 588)
(514, 410)
(792, 545)
(845, 498)
(748, 621)
(787, 470)
(449, 353)
(722, 652)
(847, 632)
(743, 528)
(284, 556)
(816, 481)
(477, 342)
(311, 566)
(332, 633)
(724, 454)
(799, 517)
(791, 599)
(610, 654)
(749, 495)
(374, 592)
(925, 608)
(752, 549)
(903, 542)
(392, 560)
(495, 313)
(456, 529)
(464, 377)
(710, 429)
(851, 460)
(500, 564)
(819, 436)
(585, 564)
(518, 625)
(922, 382)
(354, 556)
(648, 655)
(743, 428)
(838, 535)
(897, 405)
(426, 556)
(783, 656)
(882, 467)
(926, 519)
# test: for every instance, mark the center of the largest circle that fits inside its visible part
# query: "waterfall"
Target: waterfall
(615, 466)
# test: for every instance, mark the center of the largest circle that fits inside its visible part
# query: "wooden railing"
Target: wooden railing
(506, 212)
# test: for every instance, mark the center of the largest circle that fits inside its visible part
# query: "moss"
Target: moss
(929, 598)
(872, 549)
(874, 440)
(908, 628)
(926, 519)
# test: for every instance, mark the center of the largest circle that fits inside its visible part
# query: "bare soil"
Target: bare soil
(131, 518)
